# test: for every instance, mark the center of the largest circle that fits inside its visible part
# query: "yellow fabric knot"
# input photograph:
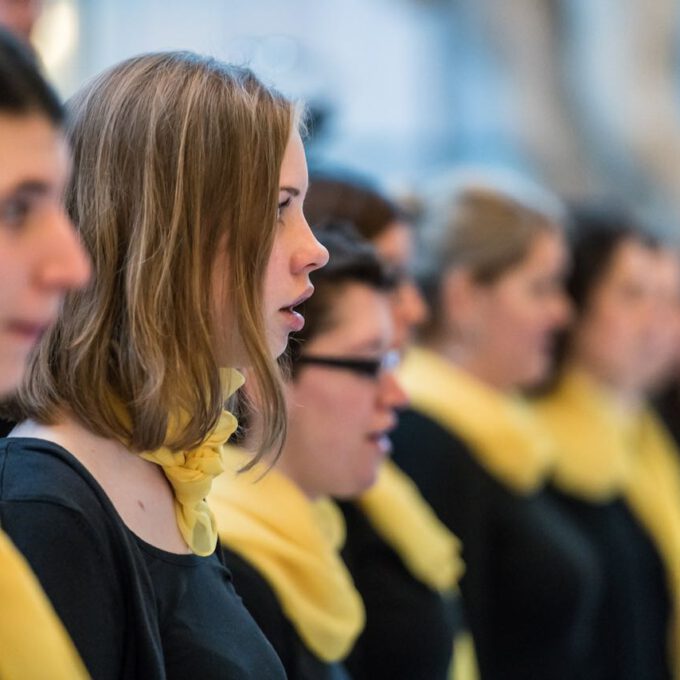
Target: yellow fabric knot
(502, 431)
(191, 474)
(410, 527)
(294, 544)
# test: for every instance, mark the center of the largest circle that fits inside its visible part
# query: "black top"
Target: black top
(132, 610)
(633, 624)
(667, 405)
(409, 627)
(532, 584)
(259, 598)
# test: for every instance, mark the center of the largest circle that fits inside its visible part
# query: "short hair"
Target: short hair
(597, 231)
(23, 90)
(333, 198)
(484, 226)
(172, 151)
(352, 260)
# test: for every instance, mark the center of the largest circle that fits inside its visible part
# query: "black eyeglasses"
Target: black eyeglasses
(370, 368)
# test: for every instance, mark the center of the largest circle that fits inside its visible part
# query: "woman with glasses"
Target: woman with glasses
(496, 259)
(404, 562)
(280, 532)
(40, 260)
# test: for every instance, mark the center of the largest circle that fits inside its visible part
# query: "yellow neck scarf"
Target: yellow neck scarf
(595, 440)
(409, 526)
(294, 543)
(602, 454)
(502, 431)
(33, 642)
(191, 475)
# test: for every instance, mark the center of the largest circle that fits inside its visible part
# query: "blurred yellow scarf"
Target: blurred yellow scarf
(294, 543)
(502, 431)
(33, 642)
(191, 475)
(603, 453)
(402, 517)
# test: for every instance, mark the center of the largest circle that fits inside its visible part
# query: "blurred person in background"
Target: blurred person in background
(617, 471)
(19, 16)
(281, 534)
(395, 549)
(40, 260)
(667, 389)
(493, 263)
(187, 191)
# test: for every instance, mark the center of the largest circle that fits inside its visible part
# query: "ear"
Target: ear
(462, 302)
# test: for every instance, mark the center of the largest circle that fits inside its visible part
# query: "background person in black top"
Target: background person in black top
(615, 459)
(393, 596)
(496, 258)
(187, 190)
(282, 535)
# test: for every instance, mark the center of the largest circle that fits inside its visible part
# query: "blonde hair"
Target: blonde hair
(172, 151)
(486, 226)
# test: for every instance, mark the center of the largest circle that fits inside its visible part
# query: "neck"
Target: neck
(471, 361)
(627, 398)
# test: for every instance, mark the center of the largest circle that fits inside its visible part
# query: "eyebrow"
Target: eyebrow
(368, 345)
(28, 188)
(293, 191)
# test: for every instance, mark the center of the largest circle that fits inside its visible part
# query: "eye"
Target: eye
(14, 212)
(282, 206)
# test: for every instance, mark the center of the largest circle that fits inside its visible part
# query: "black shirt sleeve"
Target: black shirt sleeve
(58, 542)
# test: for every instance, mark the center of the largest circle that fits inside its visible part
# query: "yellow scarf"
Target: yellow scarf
(502, 430)
(602, 455)
(33, 642)
(191, 475)
(409, 526)
(294, 543)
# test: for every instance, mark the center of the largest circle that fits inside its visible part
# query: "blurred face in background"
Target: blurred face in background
(623, 335)
(395, 246)
(505, 330)
(339, 417)
(40, 255)
(19, 16)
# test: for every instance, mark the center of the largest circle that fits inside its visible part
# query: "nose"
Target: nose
(310, 254)
(392, 394)
(62, 263)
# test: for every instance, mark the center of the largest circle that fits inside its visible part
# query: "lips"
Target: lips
(294, 320)
(28, 331)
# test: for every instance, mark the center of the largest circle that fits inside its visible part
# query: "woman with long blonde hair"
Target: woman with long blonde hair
(187, 189)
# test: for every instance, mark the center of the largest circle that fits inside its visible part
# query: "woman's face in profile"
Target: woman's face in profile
(40, 254)
(295, 254)
(617, 336)
(340, 417)
(513, 321)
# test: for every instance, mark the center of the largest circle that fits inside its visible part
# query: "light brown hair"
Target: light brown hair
(172, 151)
(488, 230)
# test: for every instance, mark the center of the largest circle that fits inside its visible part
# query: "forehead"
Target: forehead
(362, 319)
(31, 150)
(631, 259)
(395, 243)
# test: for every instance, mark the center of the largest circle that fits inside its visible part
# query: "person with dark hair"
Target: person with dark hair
(342, 398)
(396, 563)
(40, 260)
(383, 223)
(617, 471)
(496, 257)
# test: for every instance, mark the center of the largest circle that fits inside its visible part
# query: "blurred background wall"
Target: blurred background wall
(581, 95)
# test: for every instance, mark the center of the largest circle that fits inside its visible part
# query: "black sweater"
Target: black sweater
(261, 601)
(533, 583)
(409, 627)
(133, 611)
